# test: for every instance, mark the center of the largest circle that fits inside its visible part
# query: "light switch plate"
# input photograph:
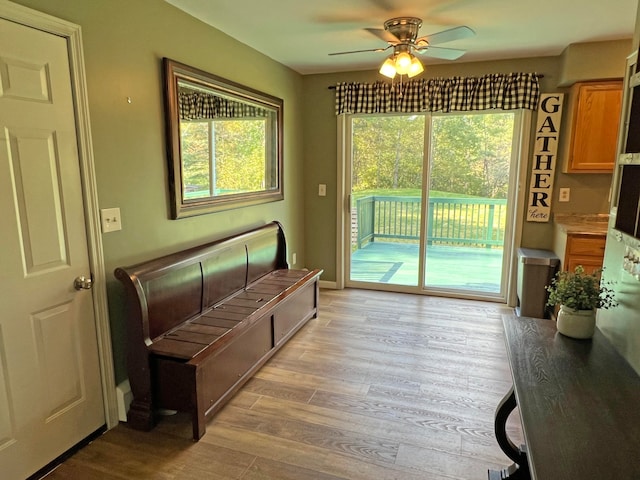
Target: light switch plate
(322, 190)
(111, 221)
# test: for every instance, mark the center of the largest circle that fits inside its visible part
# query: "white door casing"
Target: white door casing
(56, 372)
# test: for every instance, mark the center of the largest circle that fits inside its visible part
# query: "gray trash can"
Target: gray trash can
(536, 269)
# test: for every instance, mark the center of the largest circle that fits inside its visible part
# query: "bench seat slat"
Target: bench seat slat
(255, 295)
(280, 281)
(271, 286)
(254, 304)
(181, 335)
(288, 273)
(214, 322)
(176, 349)
(206, 329)
(265, 288)
(184, 335)
(291, 274)
(226, 315)
(231, 308)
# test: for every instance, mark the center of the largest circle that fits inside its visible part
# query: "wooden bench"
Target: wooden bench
(202, 321)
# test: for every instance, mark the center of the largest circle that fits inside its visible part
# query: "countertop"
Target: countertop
(595, 224)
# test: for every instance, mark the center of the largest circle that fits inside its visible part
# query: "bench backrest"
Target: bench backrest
(165, 292)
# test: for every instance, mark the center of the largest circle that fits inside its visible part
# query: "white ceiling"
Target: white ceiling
(301, 33)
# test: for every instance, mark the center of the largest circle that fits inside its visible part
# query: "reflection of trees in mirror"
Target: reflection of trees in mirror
(222, 157)
(194, 137)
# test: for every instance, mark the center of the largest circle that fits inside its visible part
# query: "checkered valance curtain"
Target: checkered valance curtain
(496, 91)
(200, 105)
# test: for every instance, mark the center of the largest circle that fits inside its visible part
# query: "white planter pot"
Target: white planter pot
(576, 323)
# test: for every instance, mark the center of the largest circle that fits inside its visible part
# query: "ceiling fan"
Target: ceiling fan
(401, 34)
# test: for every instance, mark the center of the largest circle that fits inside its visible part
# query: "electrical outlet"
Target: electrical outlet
(111, 221)
(322, 190)
(294, 259)
(564, 195)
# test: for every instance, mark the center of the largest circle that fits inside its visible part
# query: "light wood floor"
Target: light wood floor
(379, 386)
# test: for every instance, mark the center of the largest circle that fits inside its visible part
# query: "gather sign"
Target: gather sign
(543, 165)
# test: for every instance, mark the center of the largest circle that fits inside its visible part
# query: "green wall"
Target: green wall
(124, 42)
(589, 193)
(578, 60)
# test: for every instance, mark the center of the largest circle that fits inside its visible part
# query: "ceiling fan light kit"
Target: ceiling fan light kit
(402, 63)
(416, 67)
(401, 33)
(388, 68)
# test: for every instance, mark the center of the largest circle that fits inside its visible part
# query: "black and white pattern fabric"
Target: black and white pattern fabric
(495, 91)
(200, 105)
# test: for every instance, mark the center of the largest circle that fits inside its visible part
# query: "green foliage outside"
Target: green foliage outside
(470, 153)
(387, 152)
(470, 158)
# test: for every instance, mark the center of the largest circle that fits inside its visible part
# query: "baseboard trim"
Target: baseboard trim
(329, 285)
(124, 398)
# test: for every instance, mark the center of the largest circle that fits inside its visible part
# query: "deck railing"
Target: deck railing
(451, 221)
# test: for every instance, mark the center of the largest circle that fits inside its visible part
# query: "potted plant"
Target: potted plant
(579, 294)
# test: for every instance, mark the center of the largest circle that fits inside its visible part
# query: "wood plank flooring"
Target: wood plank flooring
(379, 386)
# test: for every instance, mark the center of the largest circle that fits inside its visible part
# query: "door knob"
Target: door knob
(83, 283)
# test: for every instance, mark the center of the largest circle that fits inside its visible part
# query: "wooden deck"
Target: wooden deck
(458, 268)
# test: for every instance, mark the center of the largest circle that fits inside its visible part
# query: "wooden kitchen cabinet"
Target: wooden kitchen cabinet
(594, 115)
(584, 249)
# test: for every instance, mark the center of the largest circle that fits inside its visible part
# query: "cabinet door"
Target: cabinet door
(590, 264)
(585, 250)
(589, 245)
(595, 127)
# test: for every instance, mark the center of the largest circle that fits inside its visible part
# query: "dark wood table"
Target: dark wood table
(579, 403)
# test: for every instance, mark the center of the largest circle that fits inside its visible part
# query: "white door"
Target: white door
(50, 385)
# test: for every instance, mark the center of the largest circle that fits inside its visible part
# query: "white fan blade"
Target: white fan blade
(361, 51)
(442, 53)
(383, 4)
(385, 35)
(456, 33)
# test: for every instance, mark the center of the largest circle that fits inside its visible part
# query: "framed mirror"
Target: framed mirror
(224, 142)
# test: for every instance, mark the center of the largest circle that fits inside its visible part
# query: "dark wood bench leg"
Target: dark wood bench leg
(140, 415)
(198, 418)
(199, 422)
(519, 470)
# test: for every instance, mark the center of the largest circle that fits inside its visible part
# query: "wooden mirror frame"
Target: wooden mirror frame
(175, 72)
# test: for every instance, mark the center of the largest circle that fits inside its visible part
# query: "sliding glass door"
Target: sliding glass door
(468, 187)
(386, 198)
(429, 201)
